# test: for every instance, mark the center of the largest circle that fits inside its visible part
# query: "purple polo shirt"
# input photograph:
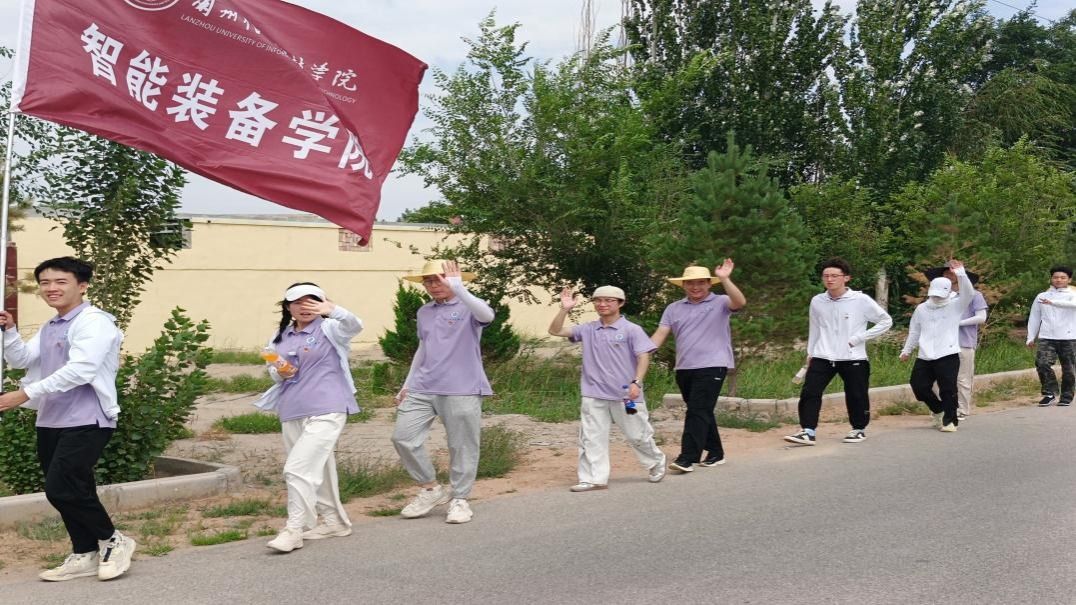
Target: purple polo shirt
(78, 407)
(969, 335)
(610, 356)
(319, 387)
(451, 361)
(703, 337)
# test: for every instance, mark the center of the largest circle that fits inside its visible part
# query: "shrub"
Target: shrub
(500, 452)
(401, 343)
(156, 394)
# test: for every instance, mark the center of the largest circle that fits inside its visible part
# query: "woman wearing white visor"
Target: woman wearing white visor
(313, 395)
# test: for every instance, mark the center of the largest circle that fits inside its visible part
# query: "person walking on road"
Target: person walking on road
(700, 324)
(71, 365)
(446, 380)
(616, 356)
(974, 316)
(1053, 323)
(935, 331)
(313, 396)
(836, 345)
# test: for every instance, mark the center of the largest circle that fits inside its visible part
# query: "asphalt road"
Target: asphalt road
(911, 515)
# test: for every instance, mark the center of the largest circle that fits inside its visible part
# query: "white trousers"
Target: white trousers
(462, 417)
(310, 470)
(965, 381)
(596, 419)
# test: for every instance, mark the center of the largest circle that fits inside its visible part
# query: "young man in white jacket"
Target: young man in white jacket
(935, 330)
(1053, 322)
(71, 366)
(836, 344)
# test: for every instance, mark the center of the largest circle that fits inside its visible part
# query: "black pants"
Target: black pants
(700, 389)
(942, 371)
(1047, 353)
(856, 376)
(67, 457)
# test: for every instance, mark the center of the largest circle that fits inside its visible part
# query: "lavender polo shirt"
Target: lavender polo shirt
(78, 407)
(451, 361)
(969, 335)
(703, 337)
(319, 387)
(610, 356)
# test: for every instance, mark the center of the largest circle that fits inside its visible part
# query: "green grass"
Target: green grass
(249, 507)
(359, 480)
(1007, 390)
(162, 526)
(385, 512)
(242, 383)
(239, 357)
(901, 408)
(756, 422)
(265, 530)
(155, 549)
(254, 423)
(47, 530)
(54, 559)
(501, 450)
(363, 416)
(221, 537)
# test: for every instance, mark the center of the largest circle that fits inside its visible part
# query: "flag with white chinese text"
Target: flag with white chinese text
(261, 95)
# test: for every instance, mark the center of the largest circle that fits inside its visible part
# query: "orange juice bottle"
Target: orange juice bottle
(283, 366)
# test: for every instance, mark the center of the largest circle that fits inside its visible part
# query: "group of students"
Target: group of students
(73, 360)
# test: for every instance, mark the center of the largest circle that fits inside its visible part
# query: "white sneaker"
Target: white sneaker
(583, 486)
(936, 420)
(115, 558)
(949, 428)
(327, 530)
(657, 472)
(287, 540)
(459, 511)
(74, 566)
(425, 501)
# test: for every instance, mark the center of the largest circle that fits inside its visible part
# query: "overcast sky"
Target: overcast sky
(431, 30)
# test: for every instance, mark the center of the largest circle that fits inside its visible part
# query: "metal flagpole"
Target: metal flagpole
(4, 229)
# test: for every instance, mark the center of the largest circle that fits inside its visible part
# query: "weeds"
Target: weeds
(756, 422)
(501, 450)
(48, 530)
(249, 424)
(359, 480)
(222, 537)
(243, 383)
(245, 508)
(913, 408)
(385, 512)
(156, 549)
(237, 357)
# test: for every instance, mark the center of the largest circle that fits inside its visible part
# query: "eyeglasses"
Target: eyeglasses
(832, 275)
(429, 281)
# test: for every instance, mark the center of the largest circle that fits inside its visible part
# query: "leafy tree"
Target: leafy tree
(760, 69)
(555, 169)
(437, 213)
(118, 208)
(1008, 215)
(737, 210)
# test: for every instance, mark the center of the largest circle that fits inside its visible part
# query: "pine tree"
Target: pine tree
(400, 344)
(738, 211)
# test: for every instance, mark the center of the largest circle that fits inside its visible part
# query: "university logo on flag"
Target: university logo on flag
(267, 97)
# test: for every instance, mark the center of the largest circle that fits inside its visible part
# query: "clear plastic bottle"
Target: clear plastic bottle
(285, 368)
(629, 403)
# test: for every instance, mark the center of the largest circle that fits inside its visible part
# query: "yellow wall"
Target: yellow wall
(237, 269)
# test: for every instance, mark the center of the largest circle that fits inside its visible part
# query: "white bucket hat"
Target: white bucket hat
(434, 267)
(693, 272)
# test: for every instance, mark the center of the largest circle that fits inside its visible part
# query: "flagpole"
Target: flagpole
(4, 228)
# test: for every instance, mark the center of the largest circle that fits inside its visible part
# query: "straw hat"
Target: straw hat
(693, 273)
(434, 267)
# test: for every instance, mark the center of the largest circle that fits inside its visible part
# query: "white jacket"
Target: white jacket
(838, 329)
(340, 327)
(935, 328)
(93, 358)
(1055, 321)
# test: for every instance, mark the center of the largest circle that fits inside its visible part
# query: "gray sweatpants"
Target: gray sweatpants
(462, 417)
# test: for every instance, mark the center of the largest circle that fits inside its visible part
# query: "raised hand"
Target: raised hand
(6, 320)
(567, 299)
(451, 269)
(724, 270)
(319, 308)
(955, 264)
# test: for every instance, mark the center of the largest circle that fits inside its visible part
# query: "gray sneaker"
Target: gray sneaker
(115, 558)
(425, 501)
(74, 566)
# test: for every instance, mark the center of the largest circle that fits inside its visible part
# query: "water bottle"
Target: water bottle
(798, 378)
(285, 368)
(629, 403)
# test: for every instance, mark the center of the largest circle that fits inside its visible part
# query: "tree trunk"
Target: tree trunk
(881, 289)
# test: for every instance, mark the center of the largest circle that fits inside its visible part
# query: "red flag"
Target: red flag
(265, 96)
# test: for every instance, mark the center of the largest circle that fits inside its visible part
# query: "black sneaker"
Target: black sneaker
(712, 461)
(1064, 404)
(1046, 401)
(683, 467)
(802, 438)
